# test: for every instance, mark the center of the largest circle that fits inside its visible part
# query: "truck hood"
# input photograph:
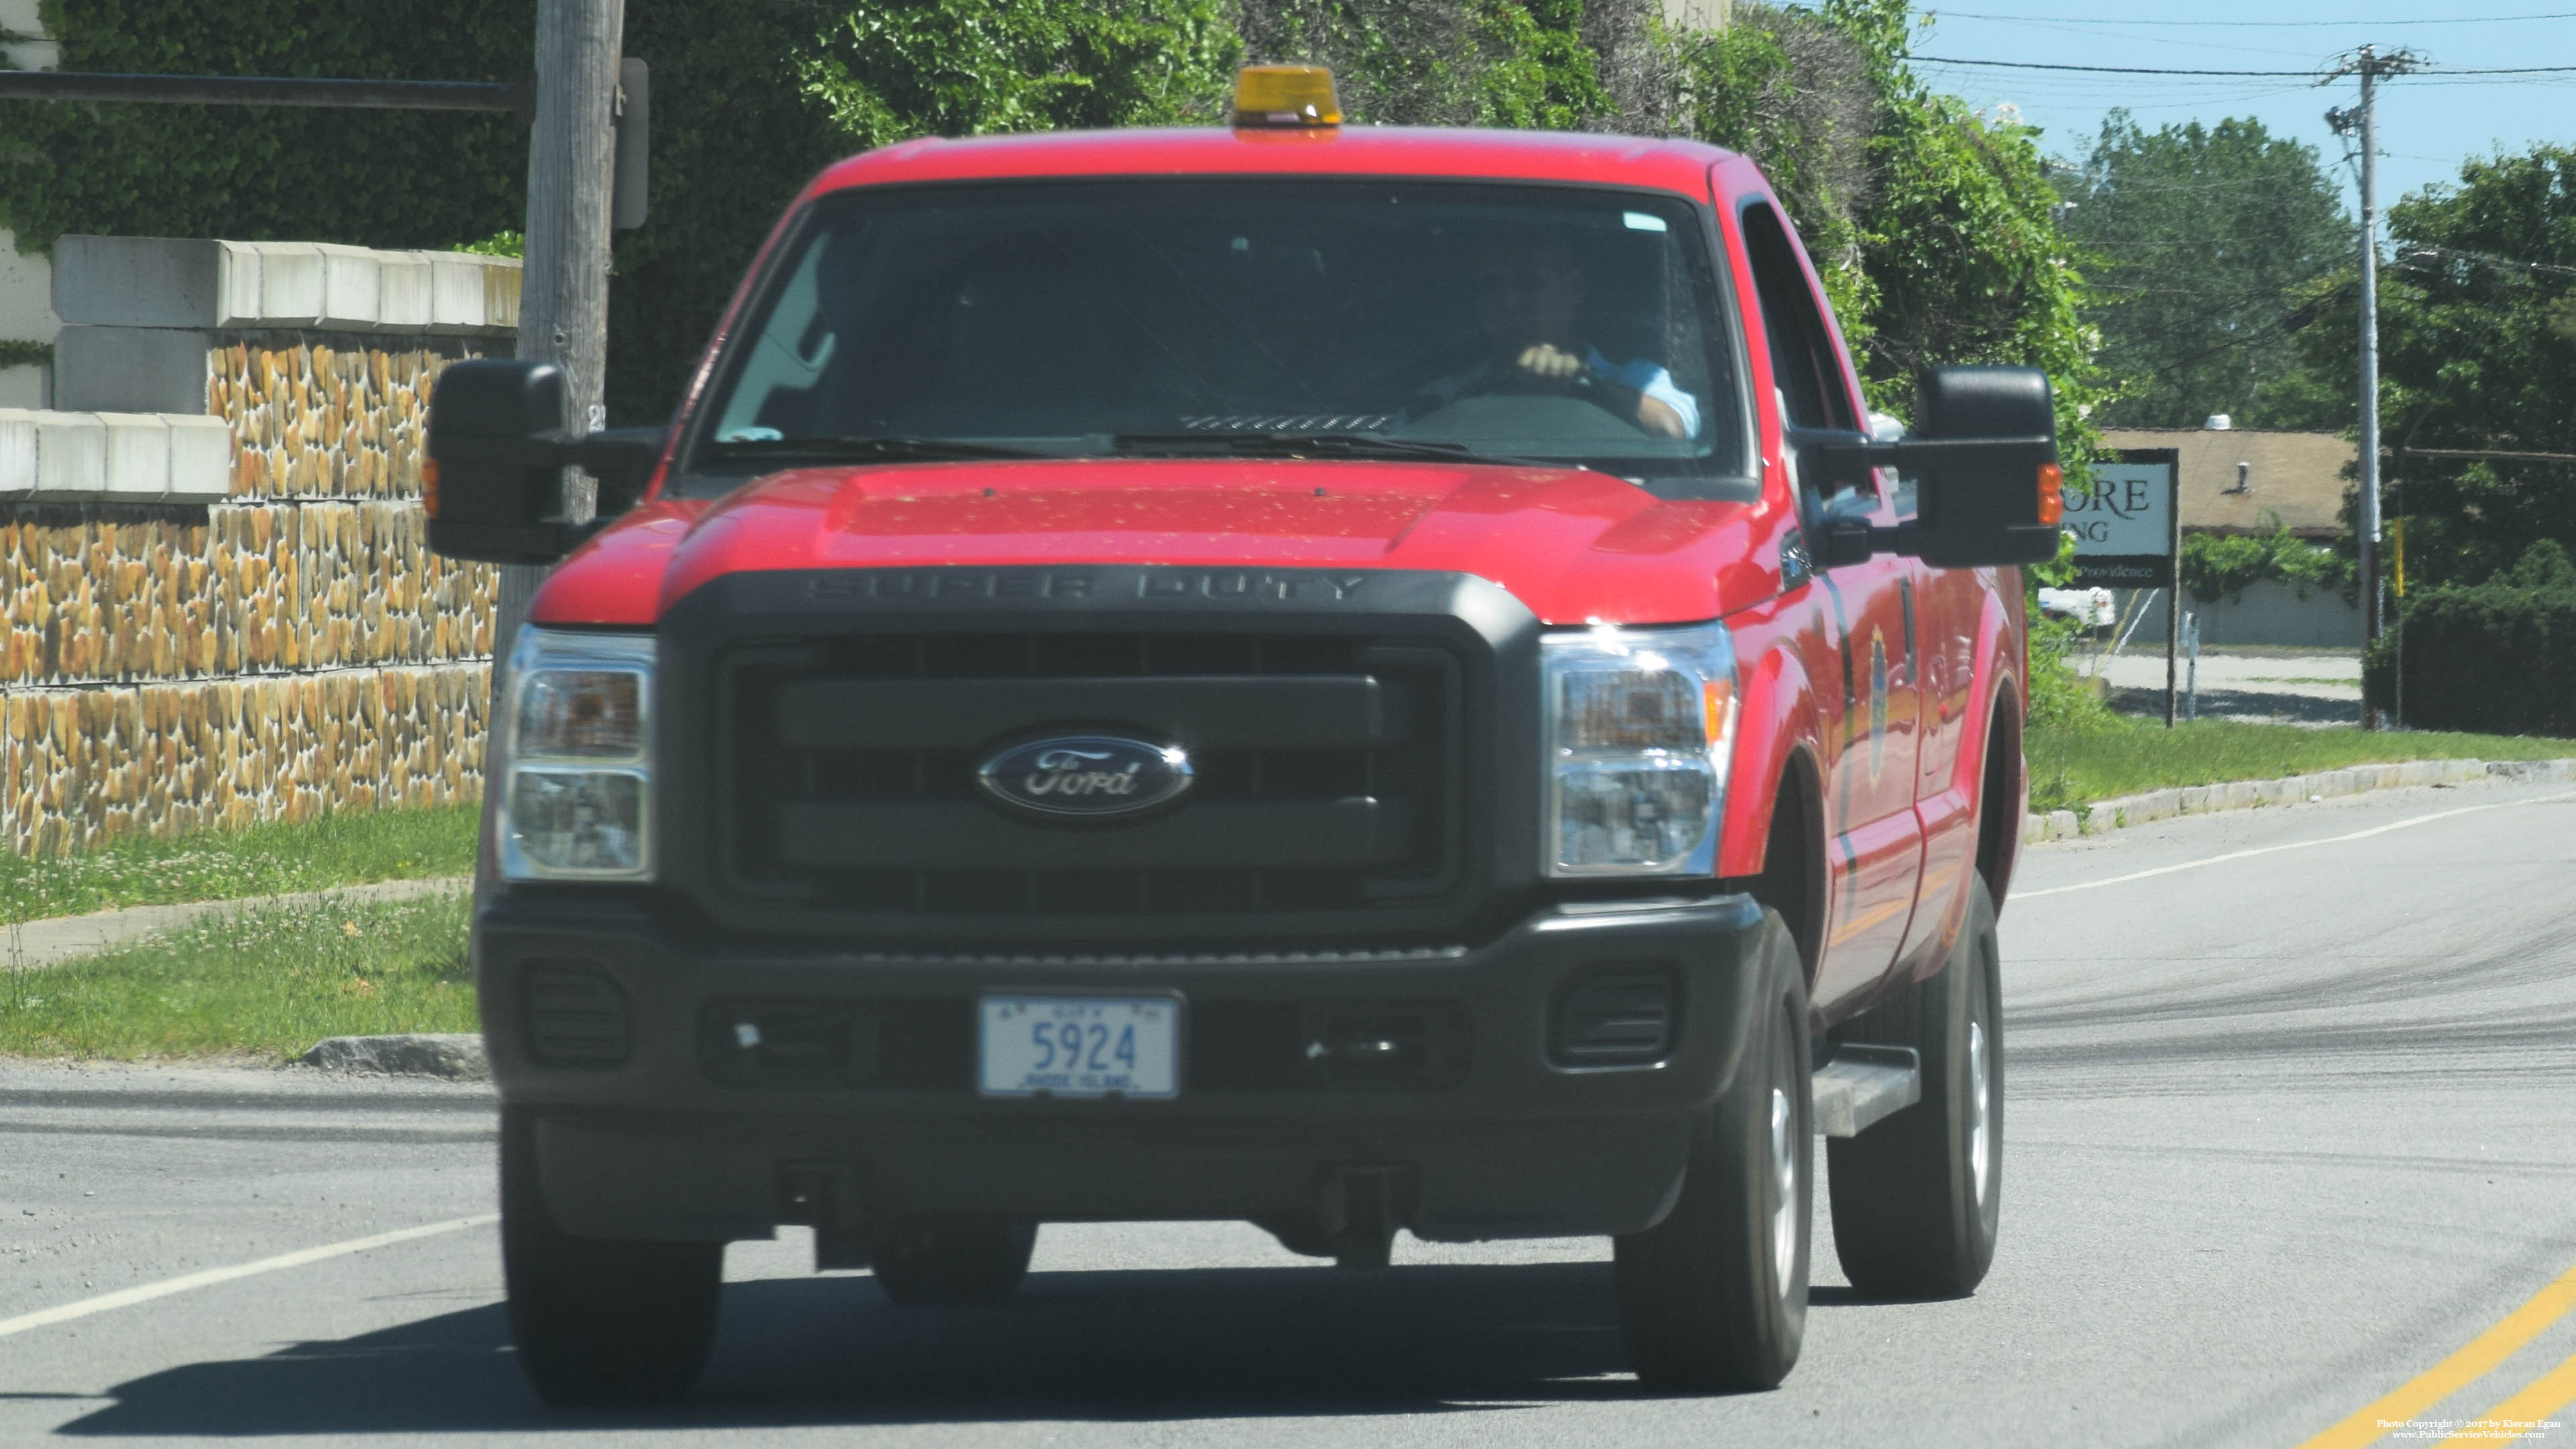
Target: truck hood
(1574, 546)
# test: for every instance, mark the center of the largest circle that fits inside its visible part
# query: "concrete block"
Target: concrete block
(201, 459)
(238, 278)
(501, 277)
(17, 452)
(404, 297)
(138, 281)
(30, 387)
(138, 457)
(456, 292)
(26, 292)
(352, 281)
(2103, 816)
(2062, 826)
(184, 283)
(292, 284)
(131, 369)
(2238, 795)
(71, 455)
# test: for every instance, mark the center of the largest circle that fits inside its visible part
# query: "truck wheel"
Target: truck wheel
(1918, 1197)
(1715, 1296)
(953, 1259)
(599, 1322)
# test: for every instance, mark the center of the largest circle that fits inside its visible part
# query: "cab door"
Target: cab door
(1873, 626)
(1949, 604)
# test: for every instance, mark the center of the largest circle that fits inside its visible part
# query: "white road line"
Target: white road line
(128, 1297)
(2275, 849)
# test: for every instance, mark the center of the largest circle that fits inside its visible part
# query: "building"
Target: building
(2243, 480)
(2239, 481)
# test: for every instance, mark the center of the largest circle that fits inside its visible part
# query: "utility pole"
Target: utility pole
(563, 298)
(2368, 64)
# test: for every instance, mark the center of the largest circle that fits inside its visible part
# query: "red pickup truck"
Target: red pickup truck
(1350, 679)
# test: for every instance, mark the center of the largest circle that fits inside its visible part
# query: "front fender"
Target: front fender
(1775, 719)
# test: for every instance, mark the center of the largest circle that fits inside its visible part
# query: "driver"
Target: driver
(1528, 298)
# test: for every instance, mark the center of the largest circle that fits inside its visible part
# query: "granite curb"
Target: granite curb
(2106, 815)
(457, 1056)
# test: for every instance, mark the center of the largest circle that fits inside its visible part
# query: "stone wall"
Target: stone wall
(284, 648)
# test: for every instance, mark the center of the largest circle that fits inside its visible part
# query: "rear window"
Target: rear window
(1098, 318)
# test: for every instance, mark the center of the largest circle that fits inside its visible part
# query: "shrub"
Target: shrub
(2498, 656)
(2218, 566)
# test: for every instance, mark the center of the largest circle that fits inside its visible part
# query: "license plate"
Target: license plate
(1081, 1046)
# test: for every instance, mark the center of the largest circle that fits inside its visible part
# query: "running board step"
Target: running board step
(1863, 1084)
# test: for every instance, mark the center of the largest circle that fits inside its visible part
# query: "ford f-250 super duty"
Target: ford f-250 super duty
(1350, 679)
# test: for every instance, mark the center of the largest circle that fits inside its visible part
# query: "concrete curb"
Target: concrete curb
(2108, 815)
(455, 1056)
(60, 938)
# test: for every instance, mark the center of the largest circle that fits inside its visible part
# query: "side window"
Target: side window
(1802, 352)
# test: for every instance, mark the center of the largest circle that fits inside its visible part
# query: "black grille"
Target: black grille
(1618, 1019)
(576, 1015)
(1326, 767)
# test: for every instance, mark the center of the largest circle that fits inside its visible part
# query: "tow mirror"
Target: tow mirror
(493, 486)
(1984, 456)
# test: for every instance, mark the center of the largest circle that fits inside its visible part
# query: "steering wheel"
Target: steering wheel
(1529, 416)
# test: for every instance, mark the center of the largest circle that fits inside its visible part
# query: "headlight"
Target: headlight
(1640, 725)
(576, 805)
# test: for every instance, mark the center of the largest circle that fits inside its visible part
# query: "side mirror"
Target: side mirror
(1984, 453)
(497, 450)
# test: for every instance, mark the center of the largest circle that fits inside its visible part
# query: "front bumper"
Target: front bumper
(658, 1121)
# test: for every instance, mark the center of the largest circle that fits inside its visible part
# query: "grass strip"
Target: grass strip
(269, 980)
(347, 848)
(2099, 759)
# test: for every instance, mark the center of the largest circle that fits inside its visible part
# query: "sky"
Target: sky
(2427, 123)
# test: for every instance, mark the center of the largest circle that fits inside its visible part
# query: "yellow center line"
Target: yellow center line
(2547, 1395)
(2475, 1360)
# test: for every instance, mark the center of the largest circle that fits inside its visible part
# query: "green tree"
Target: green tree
(1931, 226)
(2216, 246)
(2478, 353)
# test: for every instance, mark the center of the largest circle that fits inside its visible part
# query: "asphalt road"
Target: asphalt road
(2286, 1130)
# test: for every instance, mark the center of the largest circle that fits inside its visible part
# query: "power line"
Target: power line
(2108, 69)
(2314, 75)
(2265, 24)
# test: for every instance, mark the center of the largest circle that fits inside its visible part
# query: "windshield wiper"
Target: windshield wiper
(1253, 443)
(891, 448)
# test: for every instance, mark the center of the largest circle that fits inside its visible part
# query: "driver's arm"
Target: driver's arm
(1654, 414)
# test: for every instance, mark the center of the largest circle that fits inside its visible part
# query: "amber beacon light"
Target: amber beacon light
(1285, 96)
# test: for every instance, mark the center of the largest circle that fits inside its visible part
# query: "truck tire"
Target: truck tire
(1917, 1198)
(953, 1259)
(1714, 1297)
(599, 1322)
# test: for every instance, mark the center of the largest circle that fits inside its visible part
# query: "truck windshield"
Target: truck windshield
(1338, 318)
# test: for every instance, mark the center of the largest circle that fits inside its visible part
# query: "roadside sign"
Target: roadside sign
(2123, 520)
(2127, 522)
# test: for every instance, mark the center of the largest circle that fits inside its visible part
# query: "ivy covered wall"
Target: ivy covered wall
(1931, 224)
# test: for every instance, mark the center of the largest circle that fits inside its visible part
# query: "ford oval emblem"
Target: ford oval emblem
(1086, 775)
